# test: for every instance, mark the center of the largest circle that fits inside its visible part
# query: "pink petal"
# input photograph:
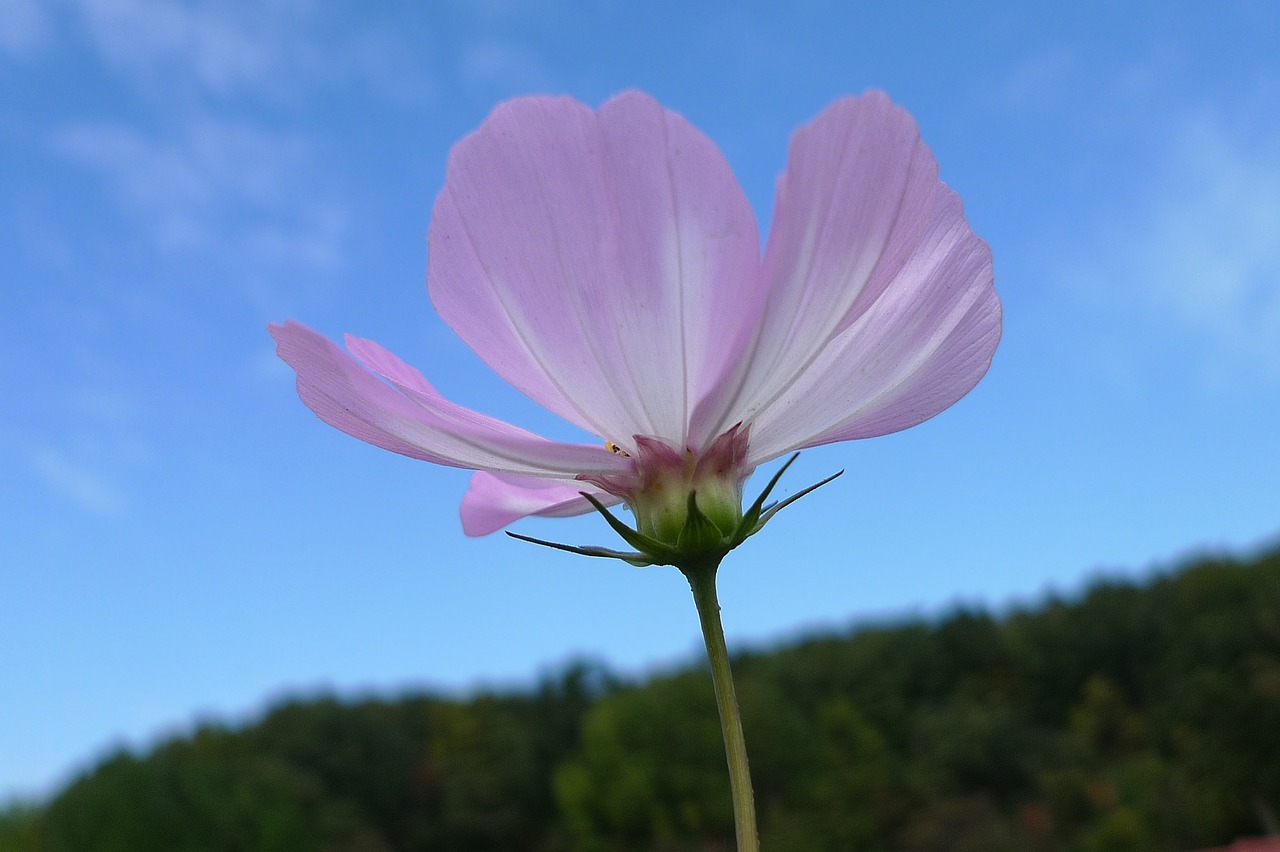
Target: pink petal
(601, 262)
(881, 309)
(495, 500)
(413, 420)
(912, 354)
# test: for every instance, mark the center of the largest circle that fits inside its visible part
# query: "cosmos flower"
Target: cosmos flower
(607, 264)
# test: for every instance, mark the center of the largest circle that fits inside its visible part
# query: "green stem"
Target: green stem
(702, 580)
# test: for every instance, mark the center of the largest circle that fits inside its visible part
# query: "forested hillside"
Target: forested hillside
(1137, 716)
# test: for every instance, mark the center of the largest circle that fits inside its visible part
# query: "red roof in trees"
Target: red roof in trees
(1250, 844)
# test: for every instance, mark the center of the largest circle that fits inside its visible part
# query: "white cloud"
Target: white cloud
(76, 483)
(1209, 244)
(146, 172)
(223, 46)
(1198, 254)
(313, 241)
(392, 65)
(265, 367)
(504, 67)
(24, 27)
(283, 50)
(110, 406)
(205, 162)
(215, 184)
(1039, 79)
(492, 12)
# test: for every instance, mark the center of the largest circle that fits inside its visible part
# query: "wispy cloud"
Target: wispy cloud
(24, 27)
(102, 404)
(504, 67)
(224, 48)
(217, 161)
(1038, 79)
(214, 183)
(492, 12)
(77, 483)
(280, 49)
(157, 37)
(1212, 238)
(392, 65)
(1198, 253)
(205, 162)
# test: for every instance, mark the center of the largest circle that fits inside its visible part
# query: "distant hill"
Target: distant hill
(1137, 716)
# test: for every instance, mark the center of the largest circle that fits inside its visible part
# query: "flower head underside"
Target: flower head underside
(606, 263)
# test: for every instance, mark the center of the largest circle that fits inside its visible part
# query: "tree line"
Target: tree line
(1138, 715)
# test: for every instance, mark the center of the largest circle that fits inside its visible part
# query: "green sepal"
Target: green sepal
(637, 559)
(649, 546)
(751, 517)
(778, 507)
(699, 534)
(700, 542)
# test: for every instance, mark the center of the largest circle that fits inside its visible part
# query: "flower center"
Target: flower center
(664, 483)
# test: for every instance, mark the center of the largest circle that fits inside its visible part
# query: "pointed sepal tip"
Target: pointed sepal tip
(699, 543)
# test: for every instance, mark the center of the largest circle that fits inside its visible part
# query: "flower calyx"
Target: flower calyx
(694, 538)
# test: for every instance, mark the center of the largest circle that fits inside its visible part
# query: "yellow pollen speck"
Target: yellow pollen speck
(615, 449)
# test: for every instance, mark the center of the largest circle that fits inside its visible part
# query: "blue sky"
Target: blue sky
(183, 540)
